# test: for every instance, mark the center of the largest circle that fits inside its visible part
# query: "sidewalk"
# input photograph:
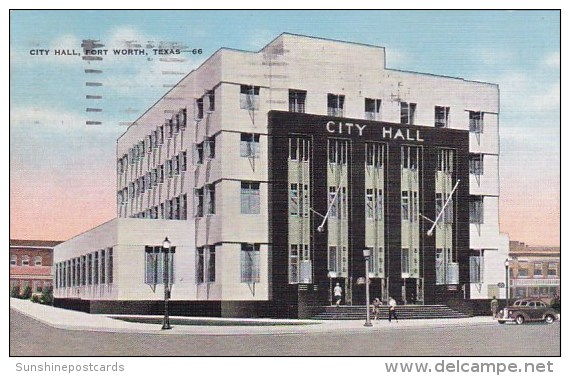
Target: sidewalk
(74, 320)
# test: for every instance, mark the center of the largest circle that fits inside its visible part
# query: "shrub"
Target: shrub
(35, 298)
(27, 294)
(15, 292)
(47, 295)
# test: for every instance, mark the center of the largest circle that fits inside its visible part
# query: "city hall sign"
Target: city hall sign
(387, 132)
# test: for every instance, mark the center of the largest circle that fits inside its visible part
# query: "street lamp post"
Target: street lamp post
(166, 281)
(507, 281)
(366, 254)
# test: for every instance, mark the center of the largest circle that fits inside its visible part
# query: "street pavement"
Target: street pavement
(74, 320)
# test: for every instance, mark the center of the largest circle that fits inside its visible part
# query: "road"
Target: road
(461, 340)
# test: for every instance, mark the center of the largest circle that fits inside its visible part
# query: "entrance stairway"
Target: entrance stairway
(403, 311)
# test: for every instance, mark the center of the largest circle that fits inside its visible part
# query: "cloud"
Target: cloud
(552, 60)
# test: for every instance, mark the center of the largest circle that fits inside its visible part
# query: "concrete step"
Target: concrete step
(403, 312)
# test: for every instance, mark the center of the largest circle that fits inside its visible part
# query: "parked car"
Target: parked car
(527, 310)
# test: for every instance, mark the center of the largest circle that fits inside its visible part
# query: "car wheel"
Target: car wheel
(501, 321)
(549, 319)
(520, 319)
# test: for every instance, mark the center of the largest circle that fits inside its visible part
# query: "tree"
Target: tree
(15, 292)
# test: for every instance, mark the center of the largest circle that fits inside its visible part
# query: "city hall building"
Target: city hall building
(270, 172)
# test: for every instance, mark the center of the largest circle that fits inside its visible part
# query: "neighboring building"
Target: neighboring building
(241, 161)
(534, 271)
(30, 264)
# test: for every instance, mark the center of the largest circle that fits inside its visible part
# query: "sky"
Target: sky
(62, 170)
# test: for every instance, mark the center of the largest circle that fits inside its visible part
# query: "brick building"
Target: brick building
(31, 263)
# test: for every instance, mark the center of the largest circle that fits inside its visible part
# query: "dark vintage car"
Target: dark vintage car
(527, 310)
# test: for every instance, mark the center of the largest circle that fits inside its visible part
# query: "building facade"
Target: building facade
(534, 272)
(31, 264)
(272, 170)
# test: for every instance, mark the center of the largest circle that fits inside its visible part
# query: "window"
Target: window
(299, 149)
(405, 261)
(250, 198)
(211, 277)
(176, 165)
(110, 260)
(25, 260)
(154, 265)
(410, 157)
(294, 263)
(294, 200)
(374, 204)
(95, 268)
(297, 100)
(161, 174)
(552, 269)
(13, 260)
(198, 202)
(407, 113)
(200, 269)
(441, 117)
(374, 155)
(249, 97)
(183, 161)
(440, 199)
(210, 147)
(476, 164)
(200, 108)
(476, 209)
(405, 206)
(84, 270)
(183, 118)
(538, 269)
(335, 105)
(183, 207)
(38, 261)
(333, 202)
(205, 264)
(250, 255)
(523, 270)
(210, 96)
(476, 121)
(176, 208)
(210, 190)
(160, 137)
(475, 270)
(334, 259)
(198, 154)
(103, 267)
(338, 151)
(169, 128)
(89, 274)
(372, 108)
(169, 169)
(249, 145)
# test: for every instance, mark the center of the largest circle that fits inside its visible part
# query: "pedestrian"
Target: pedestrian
(338, 293)
(392, 311)
(494, 307)
(376, 308)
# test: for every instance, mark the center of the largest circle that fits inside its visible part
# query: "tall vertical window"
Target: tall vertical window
(334, 259)
(249, 97)
(476, 209)
(211, 277)
(538, 269)
(96, 268)
(199, 108)
(89, 274)
(110, 259)
(405, 261)
(372, 108)
(299, 149)
(249, 260)
(294, 199)
(374, 155)
(441, 117)
(211, 100)
(405, 206)
(154, 265)
(183, 206)
(476, 164)
(476, 121)
(407, 113)
(297, 100)
(198, 202)
(374, 204)
(210, 147)
(103, 267)
(410, 157)
(294, 263)
(200, 261)
(161, 174)
(249, 145)
(333, 202)
(183, 161)
(335, 105)
(445, 160)
(338, 151)
(475, 269)
(210, 191)
(250, 198)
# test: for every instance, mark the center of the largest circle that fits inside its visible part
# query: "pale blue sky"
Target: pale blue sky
(519, 50)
